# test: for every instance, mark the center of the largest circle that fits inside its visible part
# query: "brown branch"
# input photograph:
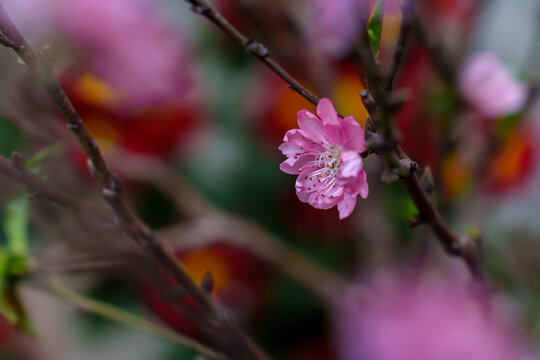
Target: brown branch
(35, 185)
(230, 339)
(469, 249)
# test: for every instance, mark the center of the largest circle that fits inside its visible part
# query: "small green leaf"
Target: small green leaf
(16, 225)
(374, 27)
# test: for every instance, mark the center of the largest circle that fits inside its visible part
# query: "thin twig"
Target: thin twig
(36, 186)
(257, 49)
(231, 339)
(127, 318)
(404, 35)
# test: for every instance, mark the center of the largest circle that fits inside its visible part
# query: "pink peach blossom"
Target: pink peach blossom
(433, 321)
(489, 86)
(325, 153)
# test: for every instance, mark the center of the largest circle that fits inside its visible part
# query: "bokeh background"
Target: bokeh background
(192, 124)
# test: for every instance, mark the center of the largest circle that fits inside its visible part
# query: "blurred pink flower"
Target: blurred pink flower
(334, 25)
(489, 86)
(129, 45)
(433, 321)
(324, 153)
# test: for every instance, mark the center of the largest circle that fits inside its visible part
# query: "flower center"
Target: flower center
(324, 170)
(329, 162)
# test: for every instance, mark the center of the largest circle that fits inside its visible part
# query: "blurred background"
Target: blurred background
(192, 124)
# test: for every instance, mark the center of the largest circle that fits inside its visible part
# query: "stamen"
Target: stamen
(327, 164)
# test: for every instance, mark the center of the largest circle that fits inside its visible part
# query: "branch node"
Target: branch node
(109, 194)
(91, 168)
(116, 185)
(256, 48)
(471, 247)
(21, 62)
(7, 42)
(46, 57)
(406, 167)
(114, 190)
(201, 9)
(368, 101)
(73, 126)
(18, 160)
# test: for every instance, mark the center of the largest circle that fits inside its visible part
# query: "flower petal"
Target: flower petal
(351, 165)
(333, 134)
(307, 181)
(323, 202)
(360, 186)
(301, 138)
(357, 185)
(293, 166)
(289, 149)
(303, 196)
(311, 125)
(354, 135)
(346, 206)
(327, 113)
